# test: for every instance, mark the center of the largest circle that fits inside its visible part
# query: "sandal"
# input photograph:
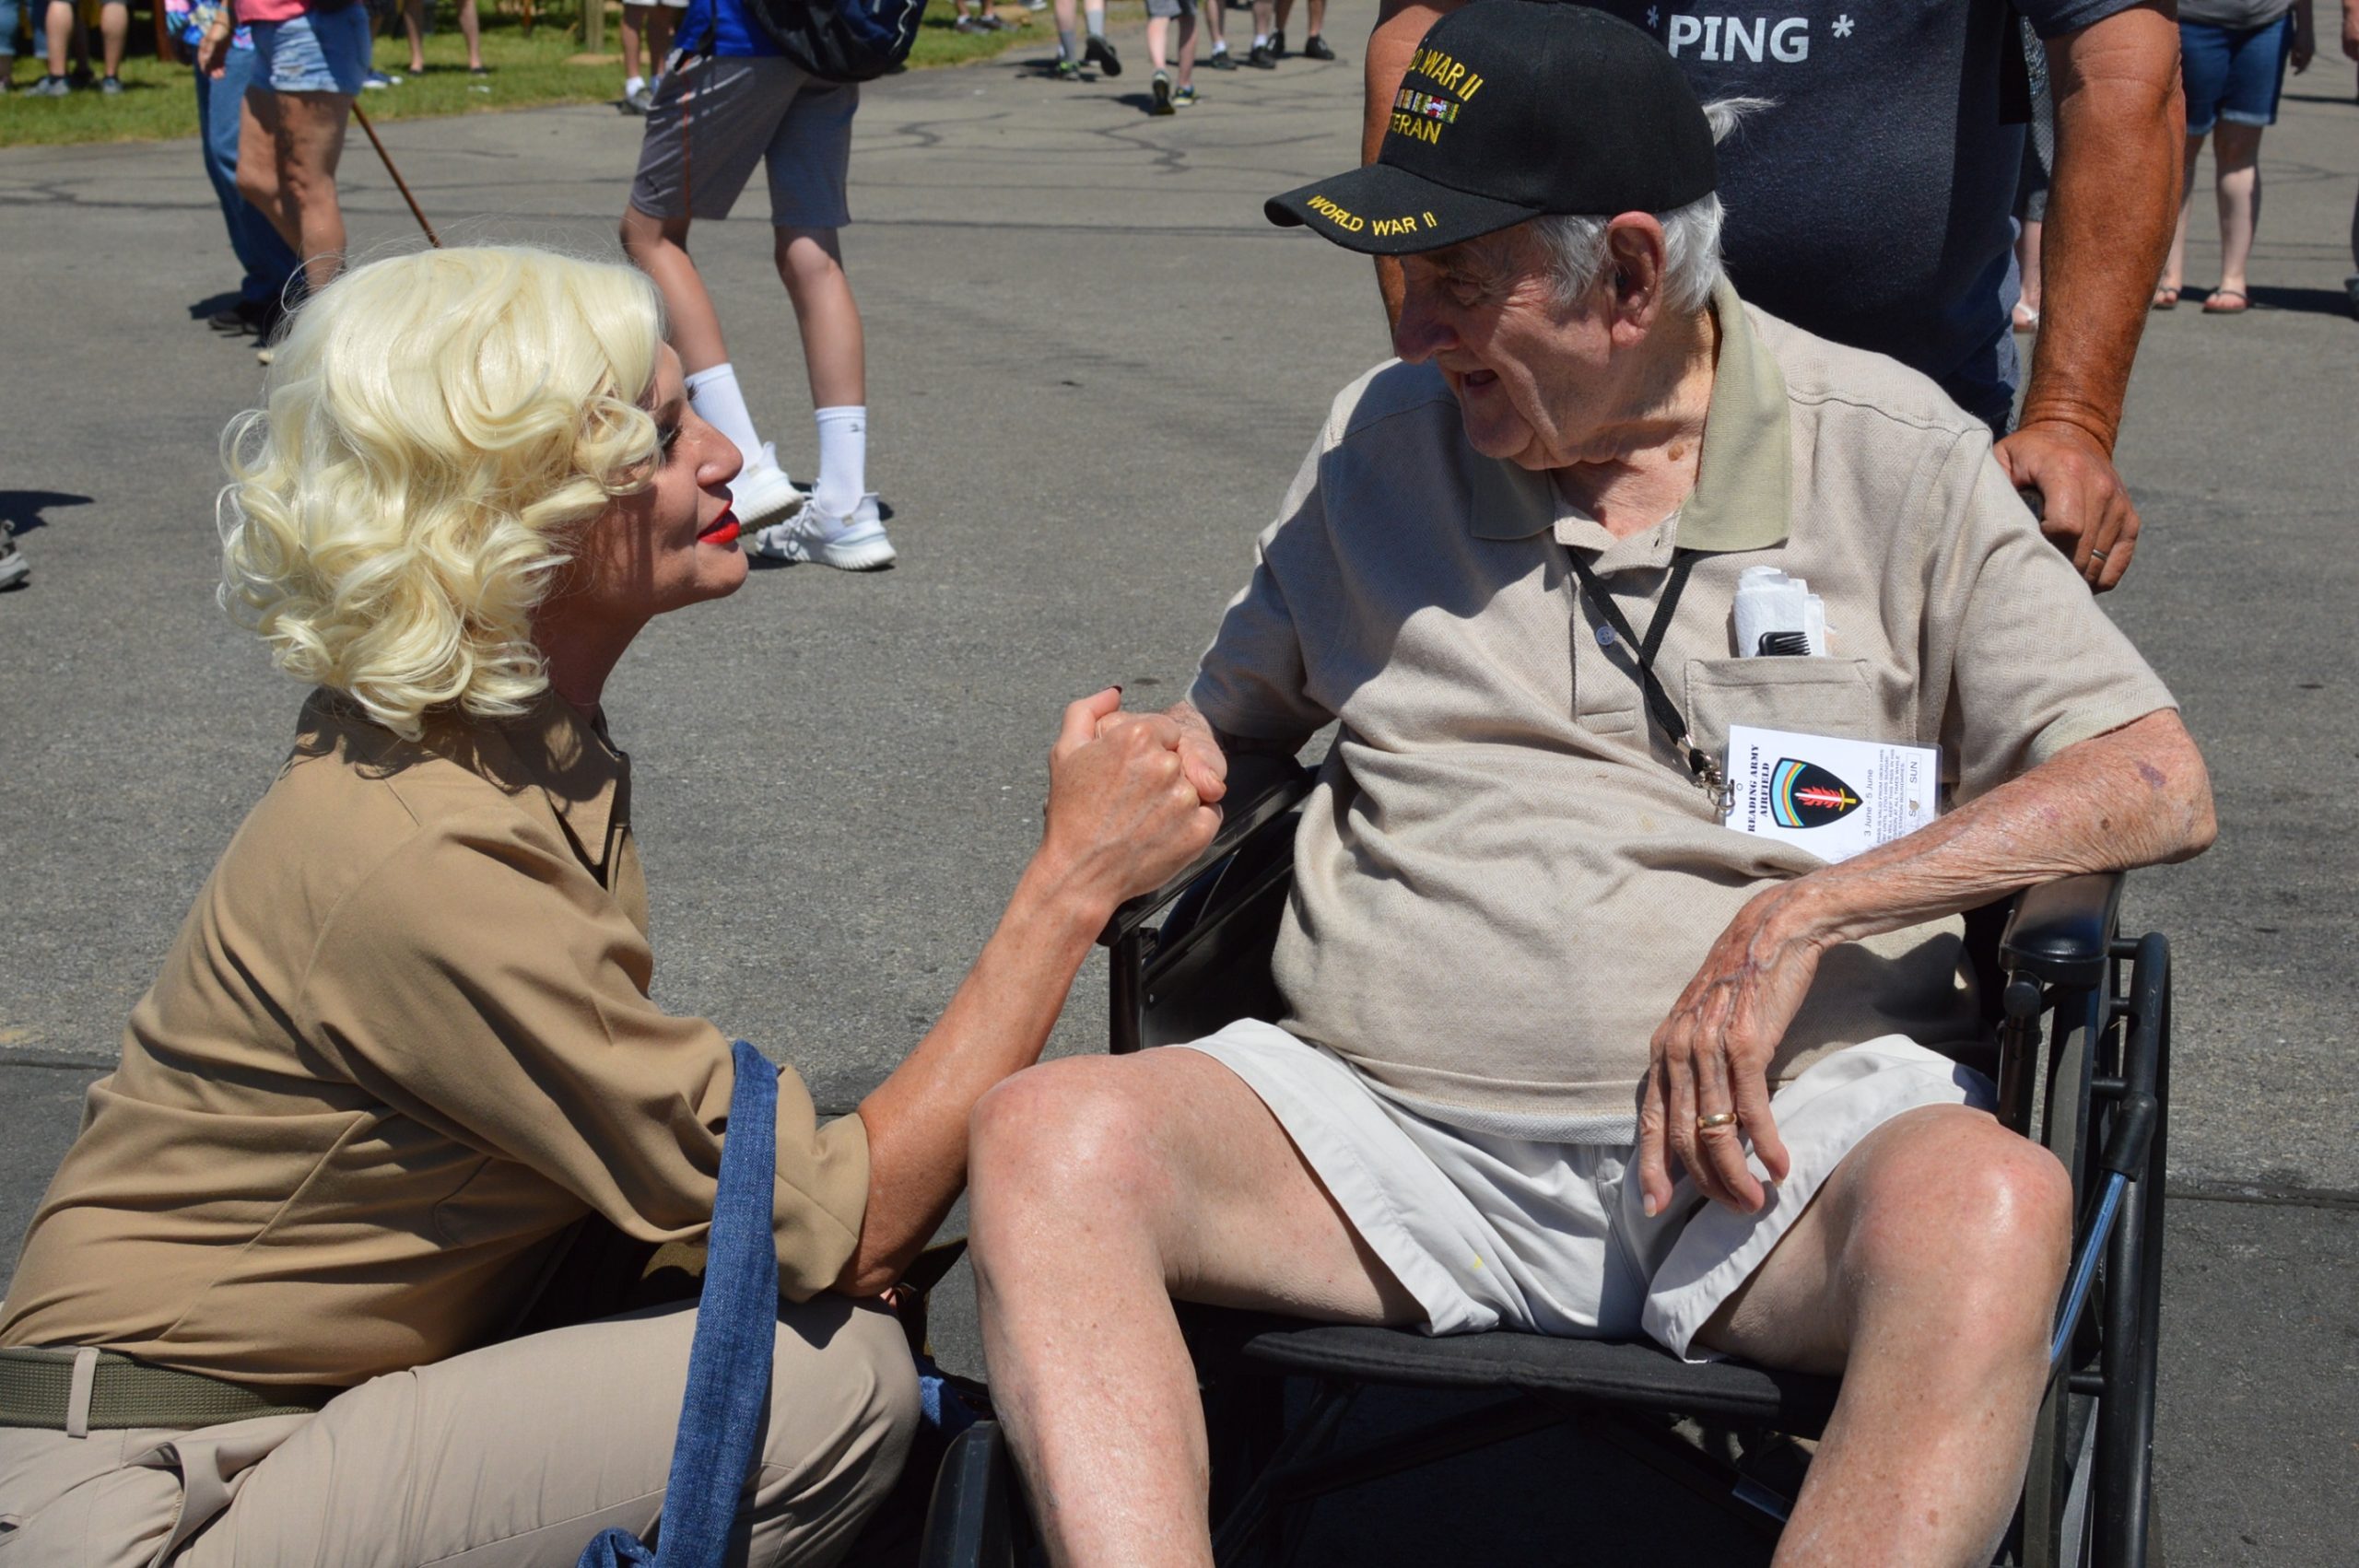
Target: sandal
(2213, 306)
(2166, 299)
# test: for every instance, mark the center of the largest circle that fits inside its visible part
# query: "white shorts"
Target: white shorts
(1489, 1232)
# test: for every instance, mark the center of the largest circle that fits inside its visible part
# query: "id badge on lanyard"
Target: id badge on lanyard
(1831, 796)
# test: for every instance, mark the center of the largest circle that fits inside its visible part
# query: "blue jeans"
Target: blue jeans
(2232, 74)
(268, 260)
(317, 52)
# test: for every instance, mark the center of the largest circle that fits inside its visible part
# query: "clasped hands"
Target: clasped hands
(1133, 796)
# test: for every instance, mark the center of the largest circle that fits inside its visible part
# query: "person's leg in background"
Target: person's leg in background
(739, 105)
(1264, 57)
(58, 23)
(2204, 76)
(1315, 46)
(1159, 14)
(637, 20)
(1187, 93)
(8, 21)
(309, 146)
(1074, 52)
(809, 158)
(268, 261)
(2235, 155)
(414, 29)
(1216, 28)
(470, 31)
(114, 32)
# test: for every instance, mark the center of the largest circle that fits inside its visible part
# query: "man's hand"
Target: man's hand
(2088, 511)
(1201, 758)
(1711, 1058)
(1122, 815)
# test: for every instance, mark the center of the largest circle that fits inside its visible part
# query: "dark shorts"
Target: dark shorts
(2232, 74)
(716, 117)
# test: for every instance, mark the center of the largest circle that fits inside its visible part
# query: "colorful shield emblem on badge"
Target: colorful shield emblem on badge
(1803, 794)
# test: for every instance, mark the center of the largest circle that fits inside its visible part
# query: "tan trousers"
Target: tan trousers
(510, 1456)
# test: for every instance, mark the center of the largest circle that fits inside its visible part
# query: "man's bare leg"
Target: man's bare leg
(1926, 1273)
(1101, 1187)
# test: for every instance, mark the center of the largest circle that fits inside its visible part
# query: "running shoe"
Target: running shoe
(377, 80)
(1066, 70)
(51, 87)
(1262, 59)
(762, 493)
(641, 101)
(14, 567)
(1278, 44)
(1101, 53)
(1186, 96)
(1221, 61)
(1315, 48)
(856, 543)
(111, 87)
(1162, 88)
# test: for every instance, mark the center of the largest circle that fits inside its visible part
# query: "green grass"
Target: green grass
(158, 102)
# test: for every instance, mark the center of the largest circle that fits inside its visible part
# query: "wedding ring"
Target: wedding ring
(1718, 1118)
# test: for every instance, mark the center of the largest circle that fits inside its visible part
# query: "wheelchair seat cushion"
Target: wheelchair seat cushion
(1488, 1230)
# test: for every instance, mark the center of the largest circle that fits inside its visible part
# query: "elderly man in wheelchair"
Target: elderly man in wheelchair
(1565, 1048)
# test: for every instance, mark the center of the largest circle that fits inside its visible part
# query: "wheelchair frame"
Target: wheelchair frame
(2082, 1064)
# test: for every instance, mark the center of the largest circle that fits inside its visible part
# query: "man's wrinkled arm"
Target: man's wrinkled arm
(2136, 796)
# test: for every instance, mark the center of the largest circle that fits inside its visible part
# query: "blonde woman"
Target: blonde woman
(402, 1050)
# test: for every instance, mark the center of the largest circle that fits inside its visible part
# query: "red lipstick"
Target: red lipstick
(723, 532)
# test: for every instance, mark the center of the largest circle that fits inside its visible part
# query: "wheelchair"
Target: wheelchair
(2079, 1049)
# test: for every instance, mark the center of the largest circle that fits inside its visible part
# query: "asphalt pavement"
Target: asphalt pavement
(1092, 369)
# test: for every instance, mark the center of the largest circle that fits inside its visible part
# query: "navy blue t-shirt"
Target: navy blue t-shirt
(1871, 205)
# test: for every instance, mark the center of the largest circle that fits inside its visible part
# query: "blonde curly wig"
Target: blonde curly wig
(437, 430)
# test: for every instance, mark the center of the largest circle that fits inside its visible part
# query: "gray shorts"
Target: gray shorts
(714, 117)
(1170, 9)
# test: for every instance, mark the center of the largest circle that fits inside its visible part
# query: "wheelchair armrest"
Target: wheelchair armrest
(1262, 787)
(2062, 932)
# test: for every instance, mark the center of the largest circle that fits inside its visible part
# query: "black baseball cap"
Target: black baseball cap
(1513, 110)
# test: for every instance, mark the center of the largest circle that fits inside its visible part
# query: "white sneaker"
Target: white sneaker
(762, 493)
(856, 543)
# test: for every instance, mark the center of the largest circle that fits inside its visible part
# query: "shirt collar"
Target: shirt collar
(551, 747)
(567, 755)
(1745, 477)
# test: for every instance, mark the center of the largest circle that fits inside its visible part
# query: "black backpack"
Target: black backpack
(841, 40)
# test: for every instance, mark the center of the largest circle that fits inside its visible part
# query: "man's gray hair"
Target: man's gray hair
(1691, 235)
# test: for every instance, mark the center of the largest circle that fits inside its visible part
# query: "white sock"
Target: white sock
(843, 459)
(719, 405)
(1261, 40)
(632, 84)
(1095, 20)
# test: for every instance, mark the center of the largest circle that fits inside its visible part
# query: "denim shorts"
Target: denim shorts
(317, 52)
(2232, 74)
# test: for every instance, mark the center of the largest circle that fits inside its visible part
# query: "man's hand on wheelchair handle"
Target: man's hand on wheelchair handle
(1711, 1056)
(1122, 813)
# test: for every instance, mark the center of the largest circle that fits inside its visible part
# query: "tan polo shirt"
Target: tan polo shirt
(1504, 878)
(401, 1044)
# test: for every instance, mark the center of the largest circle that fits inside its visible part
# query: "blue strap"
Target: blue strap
(728, 1362)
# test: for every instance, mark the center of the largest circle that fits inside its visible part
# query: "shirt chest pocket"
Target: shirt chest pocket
(1814, 695)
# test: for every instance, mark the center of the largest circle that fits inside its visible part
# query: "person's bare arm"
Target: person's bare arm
(2120, 128)
(1121, 817)
(1399, 25)
(2136, 796)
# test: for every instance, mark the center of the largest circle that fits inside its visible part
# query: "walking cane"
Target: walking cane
(399, 184)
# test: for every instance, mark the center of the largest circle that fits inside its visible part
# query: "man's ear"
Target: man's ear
(1635, 257)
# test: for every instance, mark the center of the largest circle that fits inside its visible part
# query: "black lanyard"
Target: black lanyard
(1616, 628)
